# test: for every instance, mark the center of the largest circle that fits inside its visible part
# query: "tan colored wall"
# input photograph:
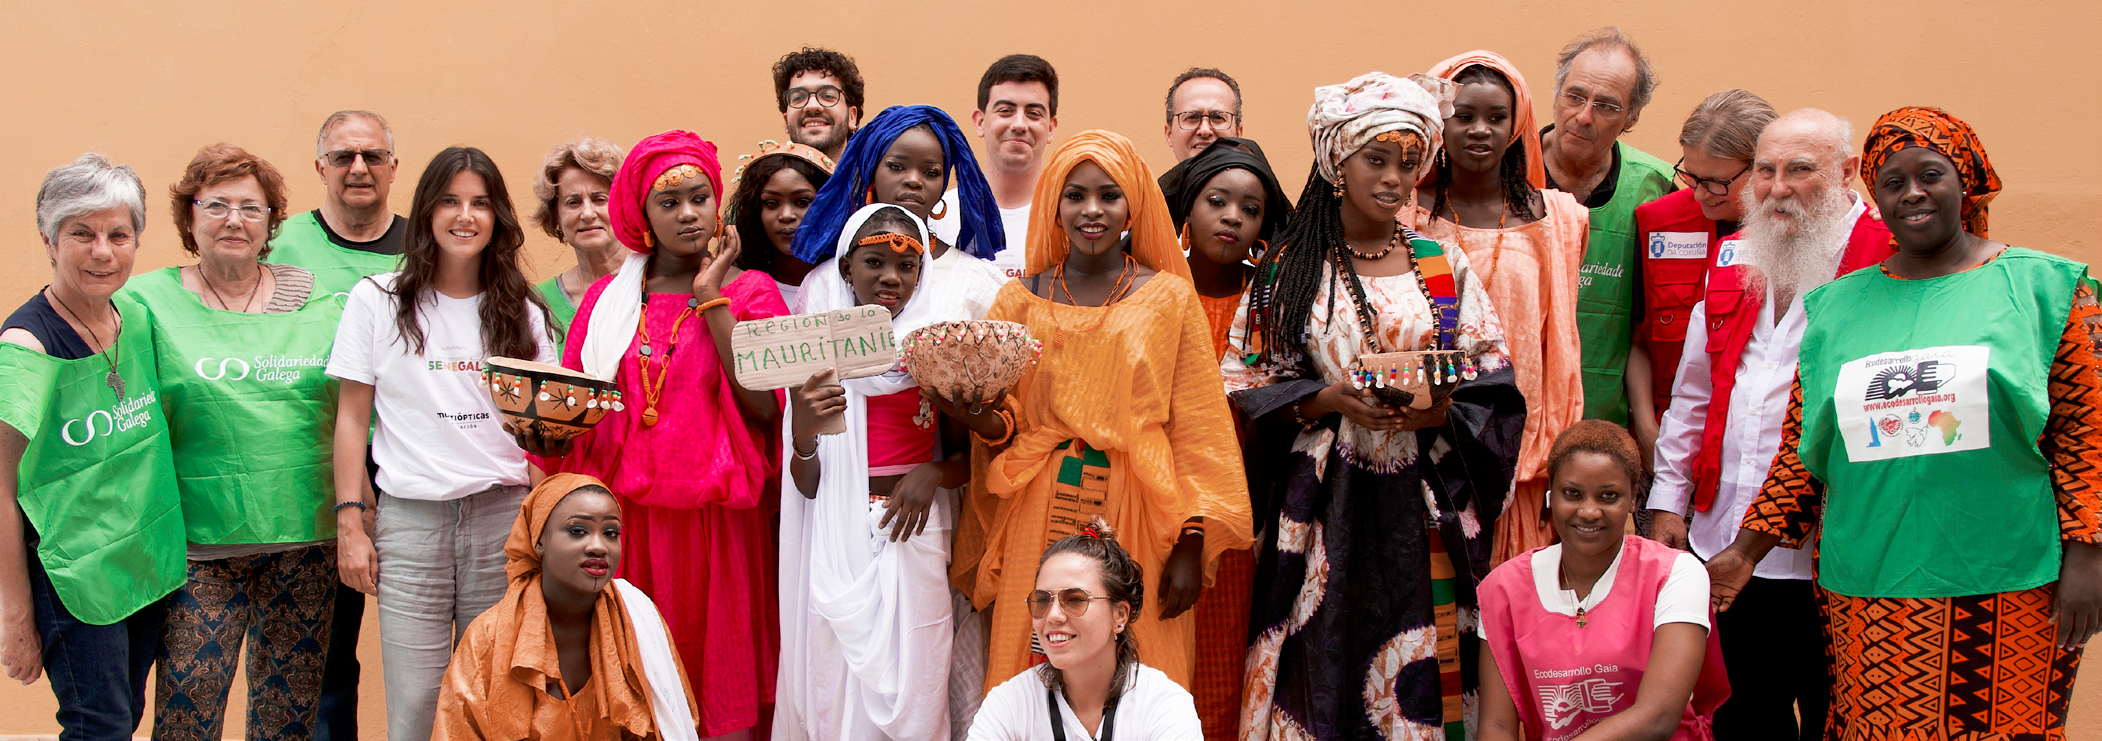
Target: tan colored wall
(148, 83)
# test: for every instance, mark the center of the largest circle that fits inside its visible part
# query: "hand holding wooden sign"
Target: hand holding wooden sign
(785, 351)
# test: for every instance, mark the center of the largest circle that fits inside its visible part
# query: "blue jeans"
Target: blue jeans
(97, 672)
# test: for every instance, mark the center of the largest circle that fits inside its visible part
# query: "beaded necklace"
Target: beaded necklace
(1433, 273)
(652, 390)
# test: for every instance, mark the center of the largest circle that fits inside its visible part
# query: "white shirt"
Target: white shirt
(1751, 436)
(1684, 598)
(1015, 222)
(440, 435)
(1153, 708)
(976, 282)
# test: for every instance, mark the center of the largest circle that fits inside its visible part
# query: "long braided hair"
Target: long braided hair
(1518, 192)
(1290, 276)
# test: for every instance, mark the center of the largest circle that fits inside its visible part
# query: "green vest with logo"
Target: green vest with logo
(1607, 284)
(252, 418)
(301, 242)
(1923, 401)
(97, 479)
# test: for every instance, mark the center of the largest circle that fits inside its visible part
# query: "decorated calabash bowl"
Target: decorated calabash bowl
(556, 402)
(974, 357)
(1417, 379)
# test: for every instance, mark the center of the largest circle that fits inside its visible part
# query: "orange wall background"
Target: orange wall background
(149, 83)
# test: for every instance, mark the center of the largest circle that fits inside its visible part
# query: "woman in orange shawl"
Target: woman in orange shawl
(1124, 416)
(570, 653)
(1487, 194)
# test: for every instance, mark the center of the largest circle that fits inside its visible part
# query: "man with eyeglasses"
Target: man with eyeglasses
(1602, 83)
(1204, 105)
(1803, 226)
(1680, 233)
(819, 93)
(1017, 116)
(352, 234)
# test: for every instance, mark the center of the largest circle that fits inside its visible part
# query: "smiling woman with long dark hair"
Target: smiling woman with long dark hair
(410, 347)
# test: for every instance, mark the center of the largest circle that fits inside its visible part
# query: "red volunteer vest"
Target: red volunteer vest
(1734, 295)
(1678, 246)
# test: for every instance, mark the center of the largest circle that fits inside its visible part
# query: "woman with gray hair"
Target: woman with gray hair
(573, 186)
(91, 527)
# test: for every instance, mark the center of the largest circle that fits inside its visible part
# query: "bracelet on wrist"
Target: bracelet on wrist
(797, 447)
(712, 303)
(1007, 418)
(351, 503)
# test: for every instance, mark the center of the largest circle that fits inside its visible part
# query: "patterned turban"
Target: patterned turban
(1934, 128)
(1348, 116)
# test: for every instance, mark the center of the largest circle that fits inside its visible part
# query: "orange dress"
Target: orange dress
(1125, 417)
(1222, 613)
(1530, 272)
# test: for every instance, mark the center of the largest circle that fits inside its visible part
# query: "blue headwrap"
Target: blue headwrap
(847, 191)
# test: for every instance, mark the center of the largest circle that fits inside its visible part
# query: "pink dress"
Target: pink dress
(698, 493)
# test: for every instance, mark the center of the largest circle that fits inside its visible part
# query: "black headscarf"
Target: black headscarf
(1183, 182)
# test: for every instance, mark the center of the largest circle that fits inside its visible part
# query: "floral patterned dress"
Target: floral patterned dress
(1364, 612)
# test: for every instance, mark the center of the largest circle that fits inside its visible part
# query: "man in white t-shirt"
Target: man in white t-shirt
(1017, 116)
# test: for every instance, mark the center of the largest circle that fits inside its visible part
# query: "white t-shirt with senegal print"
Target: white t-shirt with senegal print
(440, 436)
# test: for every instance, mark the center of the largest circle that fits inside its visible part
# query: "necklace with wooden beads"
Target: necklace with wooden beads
(1116, 293)
(1392, 242)
(651, 390)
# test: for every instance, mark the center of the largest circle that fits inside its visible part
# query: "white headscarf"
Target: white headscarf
(848, 595)
(1345, 117)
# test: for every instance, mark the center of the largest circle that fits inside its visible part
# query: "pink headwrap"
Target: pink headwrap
(647, 160)
(1523, 131)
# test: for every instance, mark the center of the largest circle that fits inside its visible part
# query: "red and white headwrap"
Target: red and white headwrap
(674, 153)
(1346, 117)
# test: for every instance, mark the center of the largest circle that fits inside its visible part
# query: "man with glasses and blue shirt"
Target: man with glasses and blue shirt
(1204, 105)
(352, 235)
(819, 94)
(1602, 83)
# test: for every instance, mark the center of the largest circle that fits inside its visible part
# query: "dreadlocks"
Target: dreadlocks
(1518, 193)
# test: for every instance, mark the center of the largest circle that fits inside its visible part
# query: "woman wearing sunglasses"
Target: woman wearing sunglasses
(1094, 687)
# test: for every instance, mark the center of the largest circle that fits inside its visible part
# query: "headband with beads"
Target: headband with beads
(898, 243)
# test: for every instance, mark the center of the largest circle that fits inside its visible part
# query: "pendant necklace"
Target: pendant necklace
(109, 351)
(253, 291)
(1564, 569)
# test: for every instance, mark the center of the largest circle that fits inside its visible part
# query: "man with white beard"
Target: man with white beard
(1803, 226)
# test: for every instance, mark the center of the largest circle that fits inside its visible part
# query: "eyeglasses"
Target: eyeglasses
(1603, 109)
(826, 96)
(1710, 185)
(373, 157)
(221, 210)
(1190, 120)
(1073, 601)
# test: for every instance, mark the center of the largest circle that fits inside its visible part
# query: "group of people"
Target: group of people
(1551, 518)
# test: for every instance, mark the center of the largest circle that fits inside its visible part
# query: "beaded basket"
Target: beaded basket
(973, 357)
(557, 402)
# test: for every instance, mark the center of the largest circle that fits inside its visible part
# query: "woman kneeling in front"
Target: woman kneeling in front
(1094, 683)
(570, 652)
(1605, 635)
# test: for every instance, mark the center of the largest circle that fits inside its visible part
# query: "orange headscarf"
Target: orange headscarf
(522, 661)
(1153, 241)
(1934, 128)
(1523, 131)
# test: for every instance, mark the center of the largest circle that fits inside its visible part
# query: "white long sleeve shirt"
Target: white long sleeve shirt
(1751, 436)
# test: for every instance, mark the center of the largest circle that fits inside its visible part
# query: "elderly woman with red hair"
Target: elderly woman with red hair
(239, 345)
(692, 453)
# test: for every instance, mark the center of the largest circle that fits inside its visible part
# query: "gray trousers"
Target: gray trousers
(441, 564)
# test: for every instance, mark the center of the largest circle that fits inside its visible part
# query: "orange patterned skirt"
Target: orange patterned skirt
(1948, 669)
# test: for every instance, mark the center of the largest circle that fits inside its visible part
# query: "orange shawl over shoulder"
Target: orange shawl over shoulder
(497, 687)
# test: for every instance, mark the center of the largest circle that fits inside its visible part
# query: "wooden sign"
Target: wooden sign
(786, 350)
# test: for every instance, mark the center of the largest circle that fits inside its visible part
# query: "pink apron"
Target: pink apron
(1564, 678)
